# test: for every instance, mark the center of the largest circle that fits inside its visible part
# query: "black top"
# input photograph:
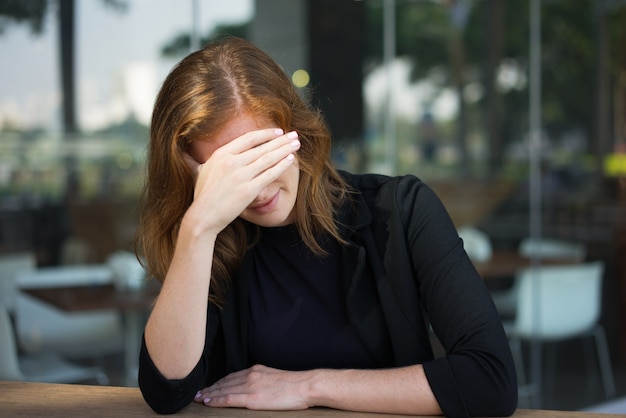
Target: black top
(403, 272)
(298, 318)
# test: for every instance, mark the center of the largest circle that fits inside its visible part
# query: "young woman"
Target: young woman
(287, 284)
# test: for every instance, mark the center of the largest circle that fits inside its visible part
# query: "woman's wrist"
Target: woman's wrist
(196, 228)
(402, 390)
(318, 389)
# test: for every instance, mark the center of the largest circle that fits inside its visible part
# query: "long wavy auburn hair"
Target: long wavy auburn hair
(199, 96)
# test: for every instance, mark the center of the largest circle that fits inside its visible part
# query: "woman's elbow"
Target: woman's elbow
(501, 401)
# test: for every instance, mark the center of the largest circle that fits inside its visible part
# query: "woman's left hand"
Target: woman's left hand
(258, 387)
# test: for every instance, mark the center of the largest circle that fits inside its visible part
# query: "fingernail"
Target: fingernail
(278, 131)
(292, 135)
(198, 394)
(295, 144)
(290, 157)
(206, 401)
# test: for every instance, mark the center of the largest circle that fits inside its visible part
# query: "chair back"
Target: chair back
(549, 248)
(556, 302)
(476, 243)
(11, 265)
(128, 273)
(9, 363)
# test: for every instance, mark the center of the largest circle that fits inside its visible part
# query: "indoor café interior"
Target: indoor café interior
(513, 113)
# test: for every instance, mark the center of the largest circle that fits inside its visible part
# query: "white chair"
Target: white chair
(543, 248)
(10, 267)
(128, 273)
(550, 248)
(43, 328)
(47, 368)
(476, 243)
(85, 335)
(555, 303)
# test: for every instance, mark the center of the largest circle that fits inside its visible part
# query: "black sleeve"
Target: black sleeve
(167, 396)
(477, 376)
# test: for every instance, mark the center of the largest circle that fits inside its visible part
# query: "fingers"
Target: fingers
(258, 387)
(258, 151)
(236, 379)
(274, 158)
(230, 391)
(264, 162)
(252, 139)
(251, 154)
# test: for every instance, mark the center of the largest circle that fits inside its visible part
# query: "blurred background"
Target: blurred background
(514, 112)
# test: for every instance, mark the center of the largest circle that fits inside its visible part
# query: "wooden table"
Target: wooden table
(68, 401)
(507, 263)
(133, 305)
(94, 298)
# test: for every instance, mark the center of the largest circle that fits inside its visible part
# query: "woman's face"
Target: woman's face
(275, 204)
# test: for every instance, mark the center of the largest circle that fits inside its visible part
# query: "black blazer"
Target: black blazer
(406, 272)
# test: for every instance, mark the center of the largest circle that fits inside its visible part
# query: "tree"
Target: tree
(432, 36)
(496, 37)
(181, 43)
(29, 12)
(33, 13)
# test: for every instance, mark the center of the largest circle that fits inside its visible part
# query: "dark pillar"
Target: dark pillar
(336, 49)
(66, 40)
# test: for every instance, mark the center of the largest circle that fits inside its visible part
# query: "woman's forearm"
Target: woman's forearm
(175, 330)
(399, 391)
(402, 390)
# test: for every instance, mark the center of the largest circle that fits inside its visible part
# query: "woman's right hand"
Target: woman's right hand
(235, 173)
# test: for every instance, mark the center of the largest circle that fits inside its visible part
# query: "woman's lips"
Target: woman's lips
(265, 206)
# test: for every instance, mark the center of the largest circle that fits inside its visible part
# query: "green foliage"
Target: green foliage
(33, 12)
(29, 12)
(569, 51)
(181, 43)
(421, 34)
